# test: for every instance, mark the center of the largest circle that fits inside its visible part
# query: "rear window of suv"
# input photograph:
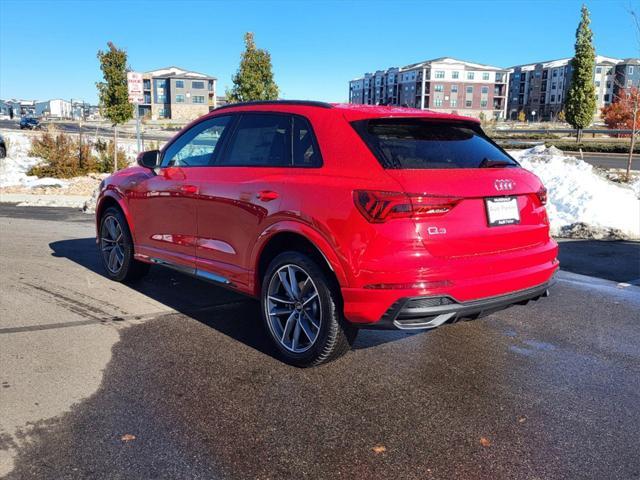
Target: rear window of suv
(407, 143)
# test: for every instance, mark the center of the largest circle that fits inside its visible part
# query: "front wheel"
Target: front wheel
(116, 248)
(300, 308)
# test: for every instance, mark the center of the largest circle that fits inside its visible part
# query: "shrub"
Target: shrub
(105, 156)
(64, 157)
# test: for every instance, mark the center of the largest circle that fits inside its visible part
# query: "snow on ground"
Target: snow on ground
(18, 187)
(582, 201)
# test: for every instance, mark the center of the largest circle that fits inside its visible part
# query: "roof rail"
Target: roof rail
(308, 103)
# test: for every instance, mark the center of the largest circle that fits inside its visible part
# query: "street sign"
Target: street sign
(134, 87)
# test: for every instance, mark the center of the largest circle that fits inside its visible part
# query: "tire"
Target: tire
(306, 309)
(116, 253)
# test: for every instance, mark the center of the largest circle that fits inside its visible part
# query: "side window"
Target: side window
(197, 146)
(305, 148)
(261, 140)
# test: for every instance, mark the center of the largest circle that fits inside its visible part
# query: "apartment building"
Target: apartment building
(443, 84)
(56, 108)
(627, 75)
(177, 94)
(540, 89)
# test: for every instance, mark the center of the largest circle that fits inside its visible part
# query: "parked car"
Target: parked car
(3, 147)
(29, 123)
(336, 217)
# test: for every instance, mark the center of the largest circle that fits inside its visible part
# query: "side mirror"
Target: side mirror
(150, 159)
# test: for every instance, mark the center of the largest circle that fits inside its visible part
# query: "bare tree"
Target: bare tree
(635, 100)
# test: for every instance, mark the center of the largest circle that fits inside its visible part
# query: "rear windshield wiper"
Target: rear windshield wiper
(494, 163)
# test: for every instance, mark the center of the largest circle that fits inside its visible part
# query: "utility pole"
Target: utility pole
(137, 108)
(115, 147)
(424, 81)
(634, 131)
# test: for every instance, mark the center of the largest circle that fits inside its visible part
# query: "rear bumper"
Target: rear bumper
(420, 313)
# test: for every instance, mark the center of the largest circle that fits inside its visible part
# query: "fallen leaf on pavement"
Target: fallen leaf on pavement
(379, 449)
(522, 419)
(485, 442)
(127, 437)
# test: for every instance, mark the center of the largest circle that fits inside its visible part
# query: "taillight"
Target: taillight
(378, 206)
(542, 195)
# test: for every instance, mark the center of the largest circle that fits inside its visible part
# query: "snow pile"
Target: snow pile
(14, 167)
(18, 187)
(582, 202)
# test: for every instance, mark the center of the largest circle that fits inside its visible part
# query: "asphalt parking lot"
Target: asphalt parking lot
(172, 378)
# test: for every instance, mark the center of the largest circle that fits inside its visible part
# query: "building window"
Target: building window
(470, 89)
(146, 84)
(437, 102)
(197, 85)
(553, 86)
(598, 84)
(485, 90)
(197, 99)
(439, 74)
(454, 102)
(456, 74)
(553, 98)
(483, 104)
(555, 73)
(179, 98)
(454, 88)
(629, 83)
(468, 104)
(606, 97)
(630, 69)
(162, 99)
(439, 88)
(162, 113)
(598, 69)
(179, 83)
(470, 75)
(608, 84)
(485, 76)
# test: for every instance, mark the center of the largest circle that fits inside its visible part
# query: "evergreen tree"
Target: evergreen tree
(254, 78)
(113, 94)
(581, 97)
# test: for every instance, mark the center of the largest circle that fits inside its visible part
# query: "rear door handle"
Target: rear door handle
(267, 195)
(189, 189)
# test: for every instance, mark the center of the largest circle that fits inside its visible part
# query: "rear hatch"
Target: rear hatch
(467, 196)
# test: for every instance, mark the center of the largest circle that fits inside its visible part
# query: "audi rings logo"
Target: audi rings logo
(503, 184)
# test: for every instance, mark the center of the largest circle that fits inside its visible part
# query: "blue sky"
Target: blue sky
(48, 48)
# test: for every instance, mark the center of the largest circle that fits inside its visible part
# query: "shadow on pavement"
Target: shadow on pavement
(613, 260)
(233, 314)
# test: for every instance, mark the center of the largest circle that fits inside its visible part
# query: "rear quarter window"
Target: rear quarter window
(423, 143)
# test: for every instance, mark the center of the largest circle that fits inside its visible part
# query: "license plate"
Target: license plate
(502, 211)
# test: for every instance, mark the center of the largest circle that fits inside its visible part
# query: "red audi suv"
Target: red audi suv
(336, 217)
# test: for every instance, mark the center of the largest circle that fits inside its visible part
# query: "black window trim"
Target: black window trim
(291, 116)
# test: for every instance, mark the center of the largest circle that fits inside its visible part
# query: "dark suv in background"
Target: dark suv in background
(30, 123)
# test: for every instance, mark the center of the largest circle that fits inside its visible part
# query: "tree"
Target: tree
(113, 94)
(254, 78)
(624, 113)
(581, 97)
(562, 117)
